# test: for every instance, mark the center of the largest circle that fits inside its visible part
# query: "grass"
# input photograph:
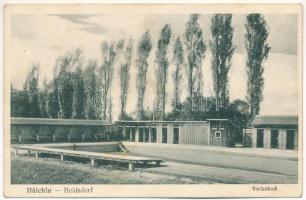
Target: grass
(29, 170)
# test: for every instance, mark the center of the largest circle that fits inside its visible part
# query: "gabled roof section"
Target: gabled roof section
(275, 120)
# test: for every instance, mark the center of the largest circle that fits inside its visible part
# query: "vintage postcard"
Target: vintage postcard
(153, 100)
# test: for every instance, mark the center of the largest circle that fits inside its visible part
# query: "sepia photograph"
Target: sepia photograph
(103, 97)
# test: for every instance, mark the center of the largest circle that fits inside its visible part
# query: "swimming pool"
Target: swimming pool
(115, 152)
(98, 148)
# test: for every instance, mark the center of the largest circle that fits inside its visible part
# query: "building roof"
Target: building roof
(217, 120)
(46, 121)
(157, 121)
(275, 120)
(164, 122)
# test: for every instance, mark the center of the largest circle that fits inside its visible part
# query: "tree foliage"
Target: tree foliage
(143, 52)
(178, 60)
(257, 51)
(52, 104)
(42, 99)
(64, 81)
(78, 94)
(19, 103)
(162, 70)
(222, 49)
(90, 91)
(125, 77)
(31, 89)
(77, 91)
(195, 48)
(110, 51)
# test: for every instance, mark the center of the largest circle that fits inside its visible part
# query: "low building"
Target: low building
(42, 130)
(276, 132)
(212, 132)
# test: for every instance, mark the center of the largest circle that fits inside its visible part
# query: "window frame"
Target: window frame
(219, 133)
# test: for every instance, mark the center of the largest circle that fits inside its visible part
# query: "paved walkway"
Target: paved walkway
(221, 175)
(223, 160)
(278, 153)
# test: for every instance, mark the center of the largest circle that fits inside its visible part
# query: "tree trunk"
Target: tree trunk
(190, 84)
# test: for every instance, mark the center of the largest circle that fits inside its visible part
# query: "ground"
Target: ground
(185, 164)
(226, 165)
(223, 175)
(29, 170)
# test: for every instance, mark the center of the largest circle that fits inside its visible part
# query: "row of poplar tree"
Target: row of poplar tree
(83, 90)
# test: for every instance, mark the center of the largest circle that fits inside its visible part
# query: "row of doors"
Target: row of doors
(176, 135)
(290, 138)
(144, 134)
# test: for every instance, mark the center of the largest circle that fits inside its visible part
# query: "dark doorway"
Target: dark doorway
(290, 137)
(274, 139)
(140, 139)
(153, 139)
(260, 138)
(176, 133)
(128, 133)
(120, 131)
(146, 130)
(164, 135)
(132, 130)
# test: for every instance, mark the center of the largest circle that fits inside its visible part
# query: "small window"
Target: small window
(218, 134)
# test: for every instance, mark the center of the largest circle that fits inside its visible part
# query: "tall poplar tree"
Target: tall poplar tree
(52, 104)
(222, 49)
(110, 51)
(195, 48)
(125, 77)
(42, 99)
(257, 52)
(65, 82)
(90, 91)
(162, 69)
(178, 60)
(143, 52)
(78, 95)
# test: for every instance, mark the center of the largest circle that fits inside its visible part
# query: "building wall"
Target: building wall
(181, 133)
(282, 137)
(296, 140)
(254, 137)
(194, 133)
(137, 134)
(27, 134)
(170, 134)
(267, 138)
(159, 133)
(46, 133)
(227, 137)
(198, 133)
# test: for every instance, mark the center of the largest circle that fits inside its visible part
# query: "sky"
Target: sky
(42, 38)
